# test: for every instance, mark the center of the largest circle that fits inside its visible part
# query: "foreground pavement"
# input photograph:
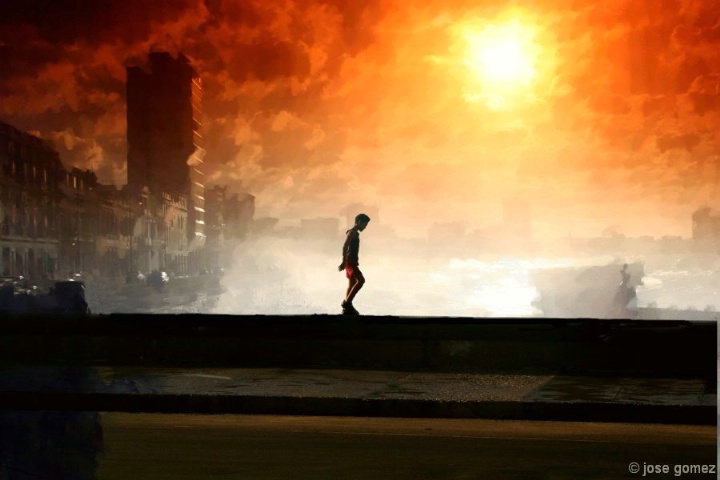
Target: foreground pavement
(115, 445)
(156, 446)
(360, 393)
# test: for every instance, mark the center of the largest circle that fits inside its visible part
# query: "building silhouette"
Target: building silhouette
(164, 133)
(56, 222)
(30, 212)
(228, 216)
(706, 229)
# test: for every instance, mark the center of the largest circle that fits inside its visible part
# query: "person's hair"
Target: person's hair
(361, 217)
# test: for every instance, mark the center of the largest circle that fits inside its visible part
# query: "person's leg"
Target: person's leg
(356, 286)
(350, 274)
(351, 283)
(346, 305)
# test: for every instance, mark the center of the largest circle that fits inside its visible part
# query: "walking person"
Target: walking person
(350, 263)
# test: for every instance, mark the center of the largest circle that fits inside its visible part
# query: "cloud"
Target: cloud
(310, 104)
(86, 154)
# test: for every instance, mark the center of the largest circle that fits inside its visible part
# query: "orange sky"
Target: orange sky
(312, 105)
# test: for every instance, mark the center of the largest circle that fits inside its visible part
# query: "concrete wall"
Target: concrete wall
(662, 349)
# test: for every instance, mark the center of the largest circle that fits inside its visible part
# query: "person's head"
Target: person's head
(361, 220)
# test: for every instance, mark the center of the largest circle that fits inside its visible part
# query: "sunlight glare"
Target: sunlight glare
(501, 61)
(498, 54)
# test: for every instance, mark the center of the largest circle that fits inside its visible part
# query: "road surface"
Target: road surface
(155, 446)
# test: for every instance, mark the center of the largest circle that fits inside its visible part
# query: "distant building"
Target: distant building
(214, 224)
(320, 228)
(157, 231)
(226, 217)
(164, 133)
(705, 224)
(238, 213)
(113, 233)
(55, 222)
(673, 244)
(80, 208)
(706, 229)
(264, 225)
(30, 178)
(172, 222)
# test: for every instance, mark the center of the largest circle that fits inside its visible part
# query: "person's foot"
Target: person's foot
(348, 308)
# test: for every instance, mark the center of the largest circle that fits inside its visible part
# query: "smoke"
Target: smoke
(196, 243)
(279, 276)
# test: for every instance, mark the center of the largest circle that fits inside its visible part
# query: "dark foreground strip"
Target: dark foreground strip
(409, 408)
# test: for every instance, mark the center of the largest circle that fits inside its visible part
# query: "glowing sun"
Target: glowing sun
(501, 55)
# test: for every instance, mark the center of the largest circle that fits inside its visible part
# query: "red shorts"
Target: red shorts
(350, 270)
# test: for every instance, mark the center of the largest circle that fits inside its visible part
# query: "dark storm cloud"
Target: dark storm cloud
(21, 51)
(268, 59)
(235, 12)
(359, 18)
(62, 22)
(34, 33)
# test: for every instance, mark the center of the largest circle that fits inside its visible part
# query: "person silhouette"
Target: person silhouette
(624, 295)
(350, 263)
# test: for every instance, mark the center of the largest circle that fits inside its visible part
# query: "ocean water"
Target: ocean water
(293, 278)
(681, 289)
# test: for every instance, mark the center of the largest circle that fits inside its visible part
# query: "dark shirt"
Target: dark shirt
(353, 248)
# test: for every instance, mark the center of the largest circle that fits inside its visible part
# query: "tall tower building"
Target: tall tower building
(164, 133)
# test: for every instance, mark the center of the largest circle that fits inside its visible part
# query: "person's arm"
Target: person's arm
(345, 249)
(344, 254)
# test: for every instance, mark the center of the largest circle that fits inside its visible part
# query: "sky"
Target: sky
(603, 114)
